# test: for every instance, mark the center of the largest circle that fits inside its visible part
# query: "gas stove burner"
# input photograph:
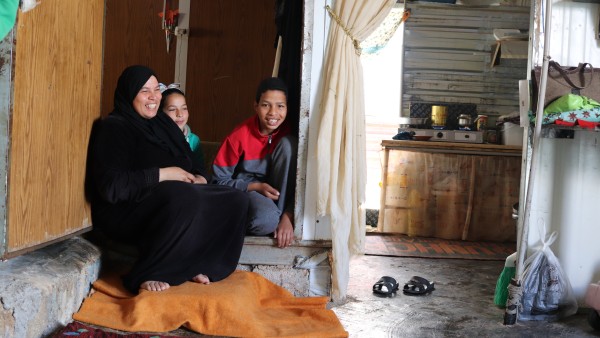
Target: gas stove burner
(459, 136)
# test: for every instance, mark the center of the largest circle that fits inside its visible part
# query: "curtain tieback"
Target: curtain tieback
(337, 19)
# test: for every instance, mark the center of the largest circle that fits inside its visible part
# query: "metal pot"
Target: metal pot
(464, 120)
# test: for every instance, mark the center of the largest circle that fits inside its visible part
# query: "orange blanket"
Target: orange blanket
(243, 305)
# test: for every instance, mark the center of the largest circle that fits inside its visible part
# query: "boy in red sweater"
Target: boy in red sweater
(259, 157)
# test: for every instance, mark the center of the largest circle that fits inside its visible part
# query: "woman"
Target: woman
(150, 191)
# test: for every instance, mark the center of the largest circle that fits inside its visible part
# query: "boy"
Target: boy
(259, 157)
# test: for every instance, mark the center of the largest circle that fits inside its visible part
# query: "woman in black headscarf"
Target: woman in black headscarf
(149, 190)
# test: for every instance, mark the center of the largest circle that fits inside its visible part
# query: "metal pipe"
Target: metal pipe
(515, 291)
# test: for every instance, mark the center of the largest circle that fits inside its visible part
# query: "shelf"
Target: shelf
(558, 131)
(453, 147)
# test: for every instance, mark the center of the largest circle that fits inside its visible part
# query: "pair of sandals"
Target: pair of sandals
(416, 286)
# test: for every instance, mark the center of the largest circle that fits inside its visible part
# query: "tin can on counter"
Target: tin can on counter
(481, 122)
(491, 136)
(439, 114)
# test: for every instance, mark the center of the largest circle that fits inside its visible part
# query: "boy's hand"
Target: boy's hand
(285, 231)
(264, 189)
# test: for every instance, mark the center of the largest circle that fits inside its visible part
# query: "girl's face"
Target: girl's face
(176, 107)
(271, 110)
(147, 100)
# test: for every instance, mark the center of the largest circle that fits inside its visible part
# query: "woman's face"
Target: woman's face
(176, 107)
(271, 110)
(148, 98)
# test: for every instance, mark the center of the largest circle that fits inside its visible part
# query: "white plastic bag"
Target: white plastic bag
(547, 293)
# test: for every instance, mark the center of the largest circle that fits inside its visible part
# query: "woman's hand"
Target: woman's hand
(199, 179)
(175, 174)
(285, 231)
(264, 189)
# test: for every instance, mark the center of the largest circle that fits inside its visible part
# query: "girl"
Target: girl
(173, 104)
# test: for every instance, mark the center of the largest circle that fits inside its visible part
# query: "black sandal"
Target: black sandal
(385, 286)
(417, 286)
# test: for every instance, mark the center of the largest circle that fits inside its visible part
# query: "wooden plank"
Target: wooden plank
(438, 191)
(460, 148)
(58, 68)
(448, 55)
(484, 91)
(457, 97)
(464, 66)
(442, 44)
(446, 33)
(507, 88)
(470, 10)
(412, 76)
(416, 22)
(509, 69)
(384, 177)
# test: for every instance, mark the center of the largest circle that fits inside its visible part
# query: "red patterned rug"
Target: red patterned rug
(77, 329)
(405, 246)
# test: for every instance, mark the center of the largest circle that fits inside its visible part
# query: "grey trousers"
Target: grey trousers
(264, 213)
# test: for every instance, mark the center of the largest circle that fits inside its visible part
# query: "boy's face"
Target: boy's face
(271, 110)
(176, 107)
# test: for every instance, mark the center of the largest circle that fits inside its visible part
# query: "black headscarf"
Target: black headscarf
(161, 129)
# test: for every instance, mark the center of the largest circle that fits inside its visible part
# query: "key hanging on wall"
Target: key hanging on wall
(169, 22)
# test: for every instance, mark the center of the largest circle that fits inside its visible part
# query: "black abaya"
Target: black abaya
(181, 229)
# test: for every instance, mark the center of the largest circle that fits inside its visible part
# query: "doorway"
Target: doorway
(382, 68)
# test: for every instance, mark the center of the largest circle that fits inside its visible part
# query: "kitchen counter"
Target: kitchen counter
(449, 190)
(453, 147)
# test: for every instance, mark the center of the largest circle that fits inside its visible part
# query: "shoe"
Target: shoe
(385, 286)
(417, 286)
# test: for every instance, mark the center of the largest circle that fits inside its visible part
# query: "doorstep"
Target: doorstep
(40, 290)
(303, 268)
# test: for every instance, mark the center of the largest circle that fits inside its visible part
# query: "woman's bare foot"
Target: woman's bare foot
(202, 279)
(154, 286)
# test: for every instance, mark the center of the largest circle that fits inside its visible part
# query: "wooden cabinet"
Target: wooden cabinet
(450, 190)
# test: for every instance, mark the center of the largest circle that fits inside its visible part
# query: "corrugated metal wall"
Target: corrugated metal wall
(448, 53)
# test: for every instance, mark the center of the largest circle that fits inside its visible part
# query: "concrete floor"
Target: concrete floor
(460, 306)
(40, 290)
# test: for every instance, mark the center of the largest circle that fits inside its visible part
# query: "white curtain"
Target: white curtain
(341, 151)
(380, 37)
